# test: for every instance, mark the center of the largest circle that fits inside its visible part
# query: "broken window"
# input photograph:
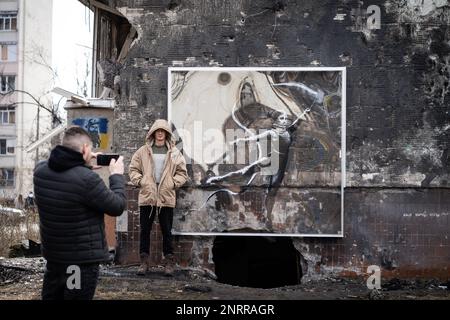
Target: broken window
(113, 39)
(113, 35)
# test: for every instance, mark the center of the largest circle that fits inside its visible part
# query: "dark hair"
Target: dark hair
(74, 138)
(74, 131)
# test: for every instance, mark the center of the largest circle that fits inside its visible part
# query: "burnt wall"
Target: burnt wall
(405, 232)
(398, 123)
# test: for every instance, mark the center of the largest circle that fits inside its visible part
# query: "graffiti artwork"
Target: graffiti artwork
(265, 150)
(97, 129)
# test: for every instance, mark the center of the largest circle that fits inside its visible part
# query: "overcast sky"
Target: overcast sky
(72, 44)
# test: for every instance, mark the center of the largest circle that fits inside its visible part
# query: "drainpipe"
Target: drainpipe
(20, 97)
(94, 92)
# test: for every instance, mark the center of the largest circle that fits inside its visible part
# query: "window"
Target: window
(8, 83)
(4, 52)
(7, 147)
(12, 52)
(8, 22)
(6, 177)
(2, 146)
(7, 115)
(8, 52)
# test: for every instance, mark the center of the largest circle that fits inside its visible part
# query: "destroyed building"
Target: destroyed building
(394, 184)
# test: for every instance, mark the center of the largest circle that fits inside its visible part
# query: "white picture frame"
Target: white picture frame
(172, 71)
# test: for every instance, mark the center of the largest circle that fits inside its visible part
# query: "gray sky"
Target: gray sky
(72, 44)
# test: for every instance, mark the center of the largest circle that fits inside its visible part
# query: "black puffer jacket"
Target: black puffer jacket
(71, 199)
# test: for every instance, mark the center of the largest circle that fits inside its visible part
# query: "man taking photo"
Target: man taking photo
(72, 200)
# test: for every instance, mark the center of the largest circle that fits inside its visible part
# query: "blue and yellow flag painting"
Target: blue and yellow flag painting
(97, 129)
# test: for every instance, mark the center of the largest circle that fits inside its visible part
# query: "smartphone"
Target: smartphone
(105, 159)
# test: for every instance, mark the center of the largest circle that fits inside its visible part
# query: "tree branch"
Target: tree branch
(36, 103)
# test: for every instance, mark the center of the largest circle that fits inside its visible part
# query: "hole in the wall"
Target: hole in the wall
(257, 262)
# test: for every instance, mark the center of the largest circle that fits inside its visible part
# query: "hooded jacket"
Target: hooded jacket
(72, 200)
(142, 170)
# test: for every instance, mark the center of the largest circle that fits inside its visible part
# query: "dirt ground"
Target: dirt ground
(21, 279)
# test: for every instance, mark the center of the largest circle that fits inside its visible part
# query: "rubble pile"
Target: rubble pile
(20, 270)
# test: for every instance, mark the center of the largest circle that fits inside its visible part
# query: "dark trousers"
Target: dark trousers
(60, 281)
(165, 217)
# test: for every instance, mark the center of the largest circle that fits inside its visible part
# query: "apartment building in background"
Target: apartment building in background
(26, 79)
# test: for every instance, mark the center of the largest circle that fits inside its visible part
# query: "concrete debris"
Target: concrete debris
(375, 295)
(27, 248)
(197, 288)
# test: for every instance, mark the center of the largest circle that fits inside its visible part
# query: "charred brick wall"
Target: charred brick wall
(398, 127)
(405, 232)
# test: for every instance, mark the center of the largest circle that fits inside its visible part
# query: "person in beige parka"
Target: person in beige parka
(158, 168)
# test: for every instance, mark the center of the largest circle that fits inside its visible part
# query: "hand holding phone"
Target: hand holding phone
(105, 159)
(116, 167)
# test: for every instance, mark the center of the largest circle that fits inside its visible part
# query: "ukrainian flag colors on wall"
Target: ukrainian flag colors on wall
(97, 129)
